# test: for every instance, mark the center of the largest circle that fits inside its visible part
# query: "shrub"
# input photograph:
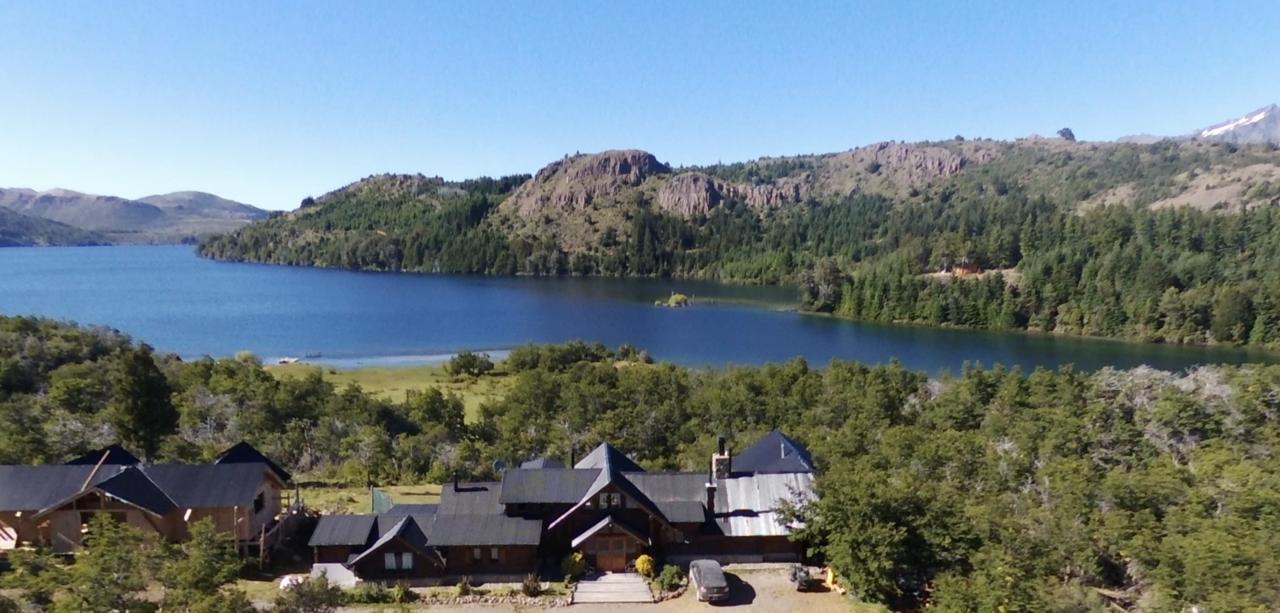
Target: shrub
(465, 587)
(531, 587)
(574, 565)
(468, 363)
(645, 566)
(311, 595)
(670, 578)
(377, 593)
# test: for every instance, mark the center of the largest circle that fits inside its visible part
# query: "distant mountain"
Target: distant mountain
(1259, 126)
(18, 230)
(163, 218)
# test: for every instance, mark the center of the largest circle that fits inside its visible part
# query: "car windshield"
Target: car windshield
(710, 575)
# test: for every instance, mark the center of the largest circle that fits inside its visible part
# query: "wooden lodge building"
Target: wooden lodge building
(605, 506)
(50, 505)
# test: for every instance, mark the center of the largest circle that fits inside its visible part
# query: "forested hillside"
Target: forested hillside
(991, 490)
(1169, 242)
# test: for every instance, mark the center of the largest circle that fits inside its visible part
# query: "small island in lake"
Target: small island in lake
(676, 300)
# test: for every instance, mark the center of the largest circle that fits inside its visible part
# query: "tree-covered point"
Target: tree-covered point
(1167, 242)
(991, 489)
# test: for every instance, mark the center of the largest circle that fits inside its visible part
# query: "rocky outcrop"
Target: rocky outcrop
(896, 167)
(689, 195)
(573, 183)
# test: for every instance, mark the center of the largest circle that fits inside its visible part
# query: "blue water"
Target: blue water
(178, 302)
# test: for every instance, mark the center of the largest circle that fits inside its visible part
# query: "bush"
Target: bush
(574, 565)
(311, 595)
(645, 566)
(531, 587)
(468, 363)
(377, 593)
(670, 578)
(465, 587)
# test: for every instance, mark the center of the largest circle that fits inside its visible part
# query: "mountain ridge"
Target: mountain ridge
(161, 218)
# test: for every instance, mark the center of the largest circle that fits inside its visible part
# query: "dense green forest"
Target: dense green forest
(990, 490)
(1046, 244)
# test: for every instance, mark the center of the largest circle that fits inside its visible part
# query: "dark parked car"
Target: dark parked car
(708, 579)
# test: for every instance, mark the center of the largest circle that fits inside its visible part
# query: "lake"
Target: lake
(168, 297)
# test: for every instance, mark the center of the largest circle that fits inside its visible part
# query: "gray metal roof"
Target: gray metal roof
(775, 452)
(747, 505)
(546, 485)
(349, 530)
(762, 493)
(484, 530)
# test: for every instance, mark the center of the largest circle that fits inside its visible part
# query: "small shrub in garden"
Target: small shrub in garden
(670, 578)
(645, 566)
(531, 587)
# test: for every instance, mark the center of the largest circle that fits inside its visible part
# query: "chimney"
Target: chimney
(721, 461)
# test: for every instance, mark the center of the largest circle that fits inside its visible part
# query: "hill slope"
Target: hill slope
(1136, 240)
(18, 230)
(156, 219)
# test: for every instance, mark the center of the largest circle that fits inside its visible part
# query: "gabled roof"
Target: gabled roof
(748, 505)
(608, 455)
(546, 485)
(612, 465)
(543, 462)
(605, 523)
(115, 456)
(406, 531)
(773, 453)
(348, 530)
(244, 453)
(134, 487)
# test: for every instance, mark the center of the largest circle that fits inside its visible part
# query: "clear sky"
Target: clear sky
(269, 101)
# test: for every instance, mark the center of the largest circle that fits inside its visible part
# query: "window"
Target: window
(389, 561)
(493, 554)
(475, 554)
(611, 501)
(259, 502)
(406, 561)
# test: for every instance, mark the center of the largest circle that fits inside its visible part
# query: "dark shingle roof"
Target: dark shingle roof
(543, 462)
(475, 498)
(608, 455)
(244, 453)
(405, 530)
(400, 510)
(605, 523)
(351, 530)
(773, 453)
(208, 485)
(34, 488)
(134, 487)
(546, 485)
(484, 530)
(682, 497)
(116, 456)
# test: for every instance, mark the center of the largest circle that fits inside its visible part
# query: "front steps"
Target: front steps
(613, 587)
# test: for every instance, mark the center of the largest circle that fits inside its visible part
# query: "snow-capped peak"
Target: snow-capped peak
(1251, 118)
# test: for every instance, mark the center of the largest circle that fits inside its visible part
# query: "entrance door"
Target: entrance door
(612, 553)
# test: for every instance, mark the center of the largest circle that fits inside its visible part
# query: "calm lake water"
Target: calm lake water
(178, 302)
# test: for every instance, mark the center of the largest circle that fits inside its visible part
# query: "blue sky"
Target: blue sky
(269, 101)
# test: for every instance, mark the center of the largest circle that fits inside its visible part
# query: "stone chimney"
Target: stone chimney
(721, 461)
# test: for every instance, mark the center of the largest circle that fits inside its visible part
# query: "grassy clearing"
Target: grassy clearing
(392, 382)
(336, 498)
